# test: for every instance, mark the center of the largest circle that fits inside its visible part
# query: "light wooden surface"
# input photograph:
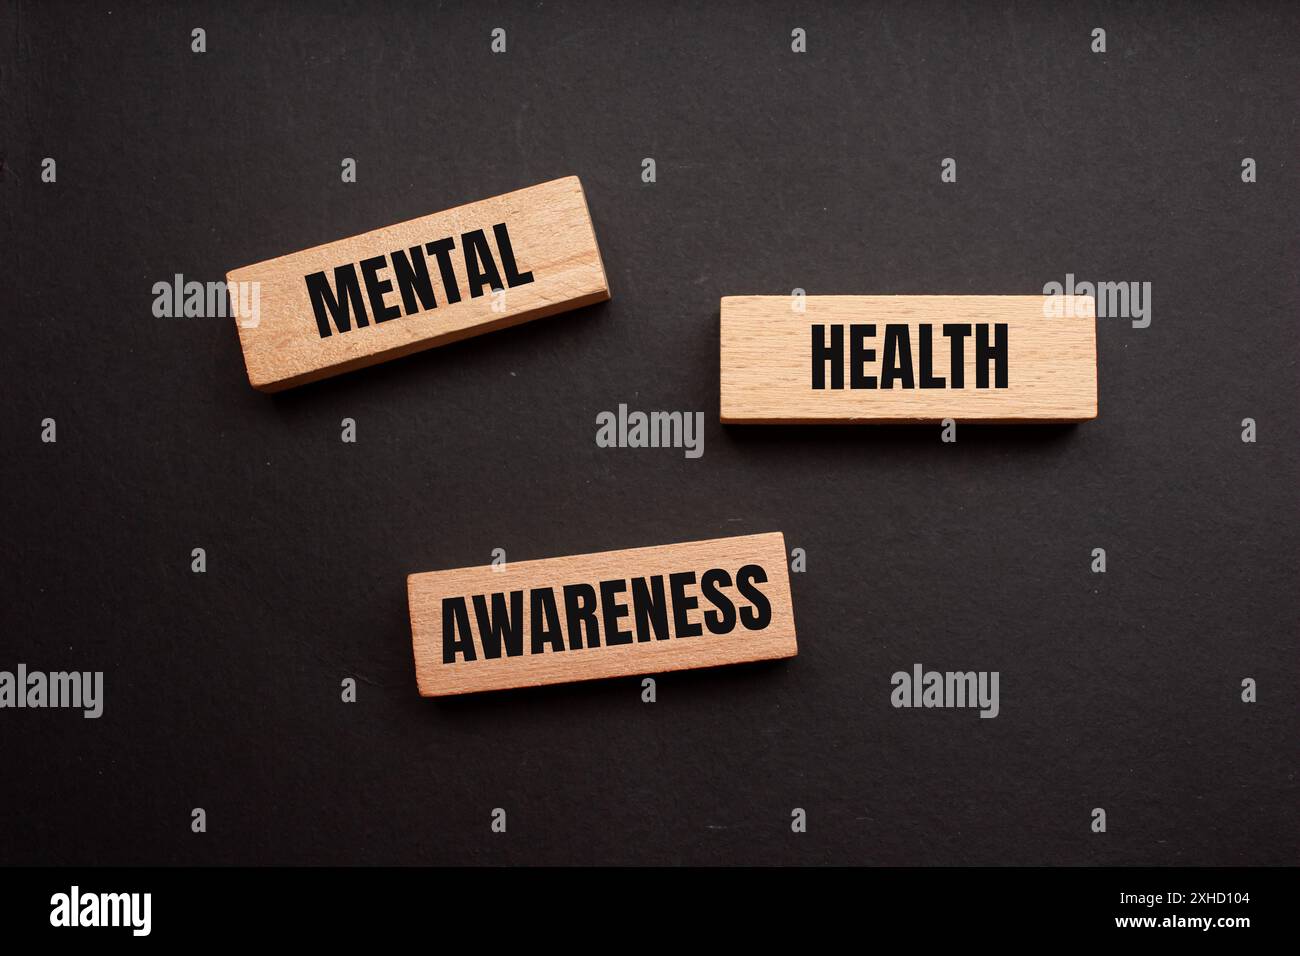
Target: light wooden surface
(767, 349)
(427, 591)
(550, 233)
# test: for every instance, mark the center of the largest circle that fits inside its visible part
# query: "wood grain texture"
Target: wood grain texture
(429, 593)
(767, 357)
(551, 236)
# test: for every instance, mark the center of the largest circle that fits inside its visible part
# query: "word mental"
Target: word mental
(341, 304)
(449, 276)
(859, 359)
(638, 611)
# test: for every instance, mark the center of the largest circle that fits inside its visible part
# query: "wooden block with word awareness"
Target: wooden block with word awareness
(908, 358)
(639, 611)
(420, 283)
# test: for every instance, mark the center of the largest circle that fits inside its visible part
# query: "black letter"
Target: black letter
(370, 270)
(651, 608)
(928, 378)
(760, 615)
(957, 333)
(723, 620)
(898, 357)
(500, 625)
(682, 605)
(480, 267)
(859, 355)
(455, 617)
(322, 298)
(412, 274)
(611, 610)
(546, 620)
(821, 355)
(442, 251)
(983, 354)
(580, 611)
(513, 276)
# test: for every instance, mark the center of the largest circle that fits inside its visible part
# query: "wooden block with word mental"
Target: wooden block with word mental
(639, 611)
(908, 358)
(420, 283)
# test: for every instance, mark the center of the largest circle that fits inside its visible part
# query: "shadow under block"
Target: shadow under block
(421, 283)
(908, 358)
(638, 611)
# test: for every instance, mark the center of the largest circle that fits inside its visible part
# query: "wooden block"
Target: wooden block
(420, 283)
(639, 611)
(919, 358)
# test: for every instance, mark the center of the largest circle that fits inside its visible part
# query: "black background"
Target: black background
(775, 171)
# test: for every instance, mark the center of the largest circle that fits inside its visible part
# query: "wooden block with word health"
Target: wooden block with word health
(639, 611)
(420, 283)
(908, 358)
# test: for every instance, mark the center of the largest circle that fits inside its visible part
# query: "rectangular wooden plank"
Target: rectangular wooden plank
(637, 611)
(421, 283)
(918, 358)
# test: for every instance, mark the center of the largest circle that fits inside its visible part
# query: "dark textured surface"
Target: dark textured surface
(775, 170)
